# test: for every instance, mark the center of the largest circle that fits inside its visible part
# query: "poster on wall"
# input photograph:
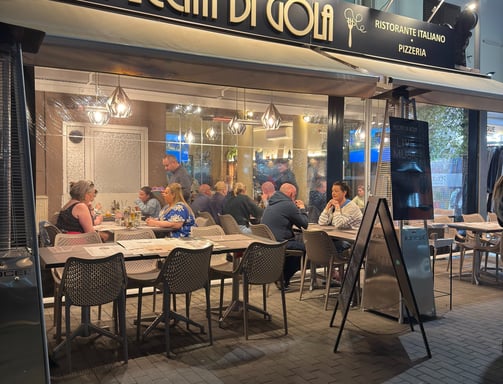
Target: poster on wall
(410, 170)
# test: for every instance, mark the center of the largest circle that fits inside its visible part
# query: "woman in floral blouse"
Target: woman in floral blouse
(175, 214)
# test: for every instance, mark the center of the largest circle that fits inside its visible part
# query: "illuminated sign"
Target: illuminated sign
(329, 24)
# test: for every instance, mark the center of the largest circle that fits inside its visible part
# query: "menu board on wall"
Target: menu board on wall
(410, 170)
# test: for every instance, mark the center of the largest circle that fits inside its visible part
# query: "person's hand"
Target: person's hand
(300, 204)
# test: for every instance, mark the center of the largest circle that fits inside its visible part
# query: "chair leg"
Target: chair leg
(283, 304)
(58, 311)
(154, 296)
(461, 260)
(245, 305)
(221, 303)
(264, 299)
(166, 314)
(302, 277)
(138, 313)
(328, 280)
(208, 311)
(121, 307)
(68, 338)
(187, 308)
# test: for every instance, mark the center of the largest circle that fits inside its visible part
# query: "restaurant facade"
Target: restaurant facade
(189, 70)
(200, 75)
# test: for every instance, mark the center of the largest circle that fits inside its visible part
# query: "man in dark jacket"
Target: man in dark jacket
(281, 214)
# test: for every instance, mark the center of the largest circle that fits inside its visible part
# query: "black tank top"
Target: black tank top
(67, 222)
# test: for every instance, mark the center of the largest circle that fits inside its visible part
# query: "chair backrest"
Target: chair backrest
(262, 230)
(210, 230)
(201, 221)
(134, 234)
(472, 218)
(207, 216)
(90, 282)
(185, 270)
(443, 212)
(63, 239)
(263, 263)
(229, 225)
(137, 266)
(448, 232)
(320, 248)
(47, 233)
(491, 216)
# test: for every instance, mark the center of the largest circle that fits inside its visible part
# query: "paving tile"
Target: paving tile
(466, 345)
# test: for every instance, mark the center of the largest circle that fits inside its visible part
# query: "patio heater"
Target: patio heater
(23, 344)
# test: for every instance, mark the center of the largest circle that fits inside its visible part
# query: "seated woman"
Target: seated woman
(176, 214)
(76, 215)
(148, 203)
(342, 213)
(240, 206)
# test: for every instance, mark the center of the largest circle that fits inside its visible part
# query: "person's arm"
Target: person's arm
(173, 219)
(298, 215)
(254, 209)
(348, 216)
(326, 216)
(82, 213)
(147, 209)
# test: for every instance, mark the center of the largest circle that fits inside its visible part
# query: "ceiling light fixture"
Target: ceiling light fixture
(211, 134)
(118, 103)
(271, 119)
(97, 113)
(236, 125)
(189, 136)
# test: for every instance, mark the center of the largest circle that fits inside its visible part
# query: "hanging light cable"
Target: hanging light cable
(118, 103)
(271, 119)
(97, 113)
(236, 126)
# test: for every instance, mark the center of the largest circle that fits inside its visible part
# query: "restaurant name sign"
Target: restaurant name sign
(329, 24)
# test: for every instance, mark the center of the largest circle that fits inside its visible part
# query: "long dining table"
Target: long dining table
(478, 229)
(55, 257)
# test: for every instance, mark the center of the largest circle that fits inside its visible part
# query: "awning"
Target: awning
(87, 39)
(434, 86)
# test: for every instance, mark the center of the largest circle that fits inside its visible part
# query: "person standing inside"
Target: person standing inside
(285, 174)
(240, 206)
(201, 202)
(317, 200)
(282, 213)
(178, 174)
(217, 200)
(176, 214)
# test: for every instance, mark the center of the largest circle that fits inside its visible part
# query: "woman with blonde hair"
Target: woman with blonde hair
(241, 207)
(176, 214)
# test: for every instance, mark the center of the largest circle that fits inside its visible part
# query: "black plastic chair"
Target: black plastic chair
(90, 282)
(183, 271)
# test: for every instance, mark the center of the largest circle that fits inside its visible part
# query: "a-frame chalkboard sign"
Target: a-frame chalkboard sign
(376, 207)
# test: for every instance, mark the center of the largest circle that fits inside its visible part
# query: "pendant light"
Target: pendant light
(236, 125)
(211, 134)
(271, 119)
(97, 113)
(189, 136)
(118, 103)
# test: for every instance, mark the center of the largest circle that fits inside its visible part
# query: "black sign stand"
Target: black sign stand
(377, 206)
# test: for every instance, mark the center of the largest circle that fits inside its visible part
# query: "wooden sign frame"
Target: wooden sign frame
(377, 207)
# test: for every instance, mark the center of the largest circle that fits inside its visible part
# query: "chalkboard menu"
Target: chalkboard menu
(410, 170)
